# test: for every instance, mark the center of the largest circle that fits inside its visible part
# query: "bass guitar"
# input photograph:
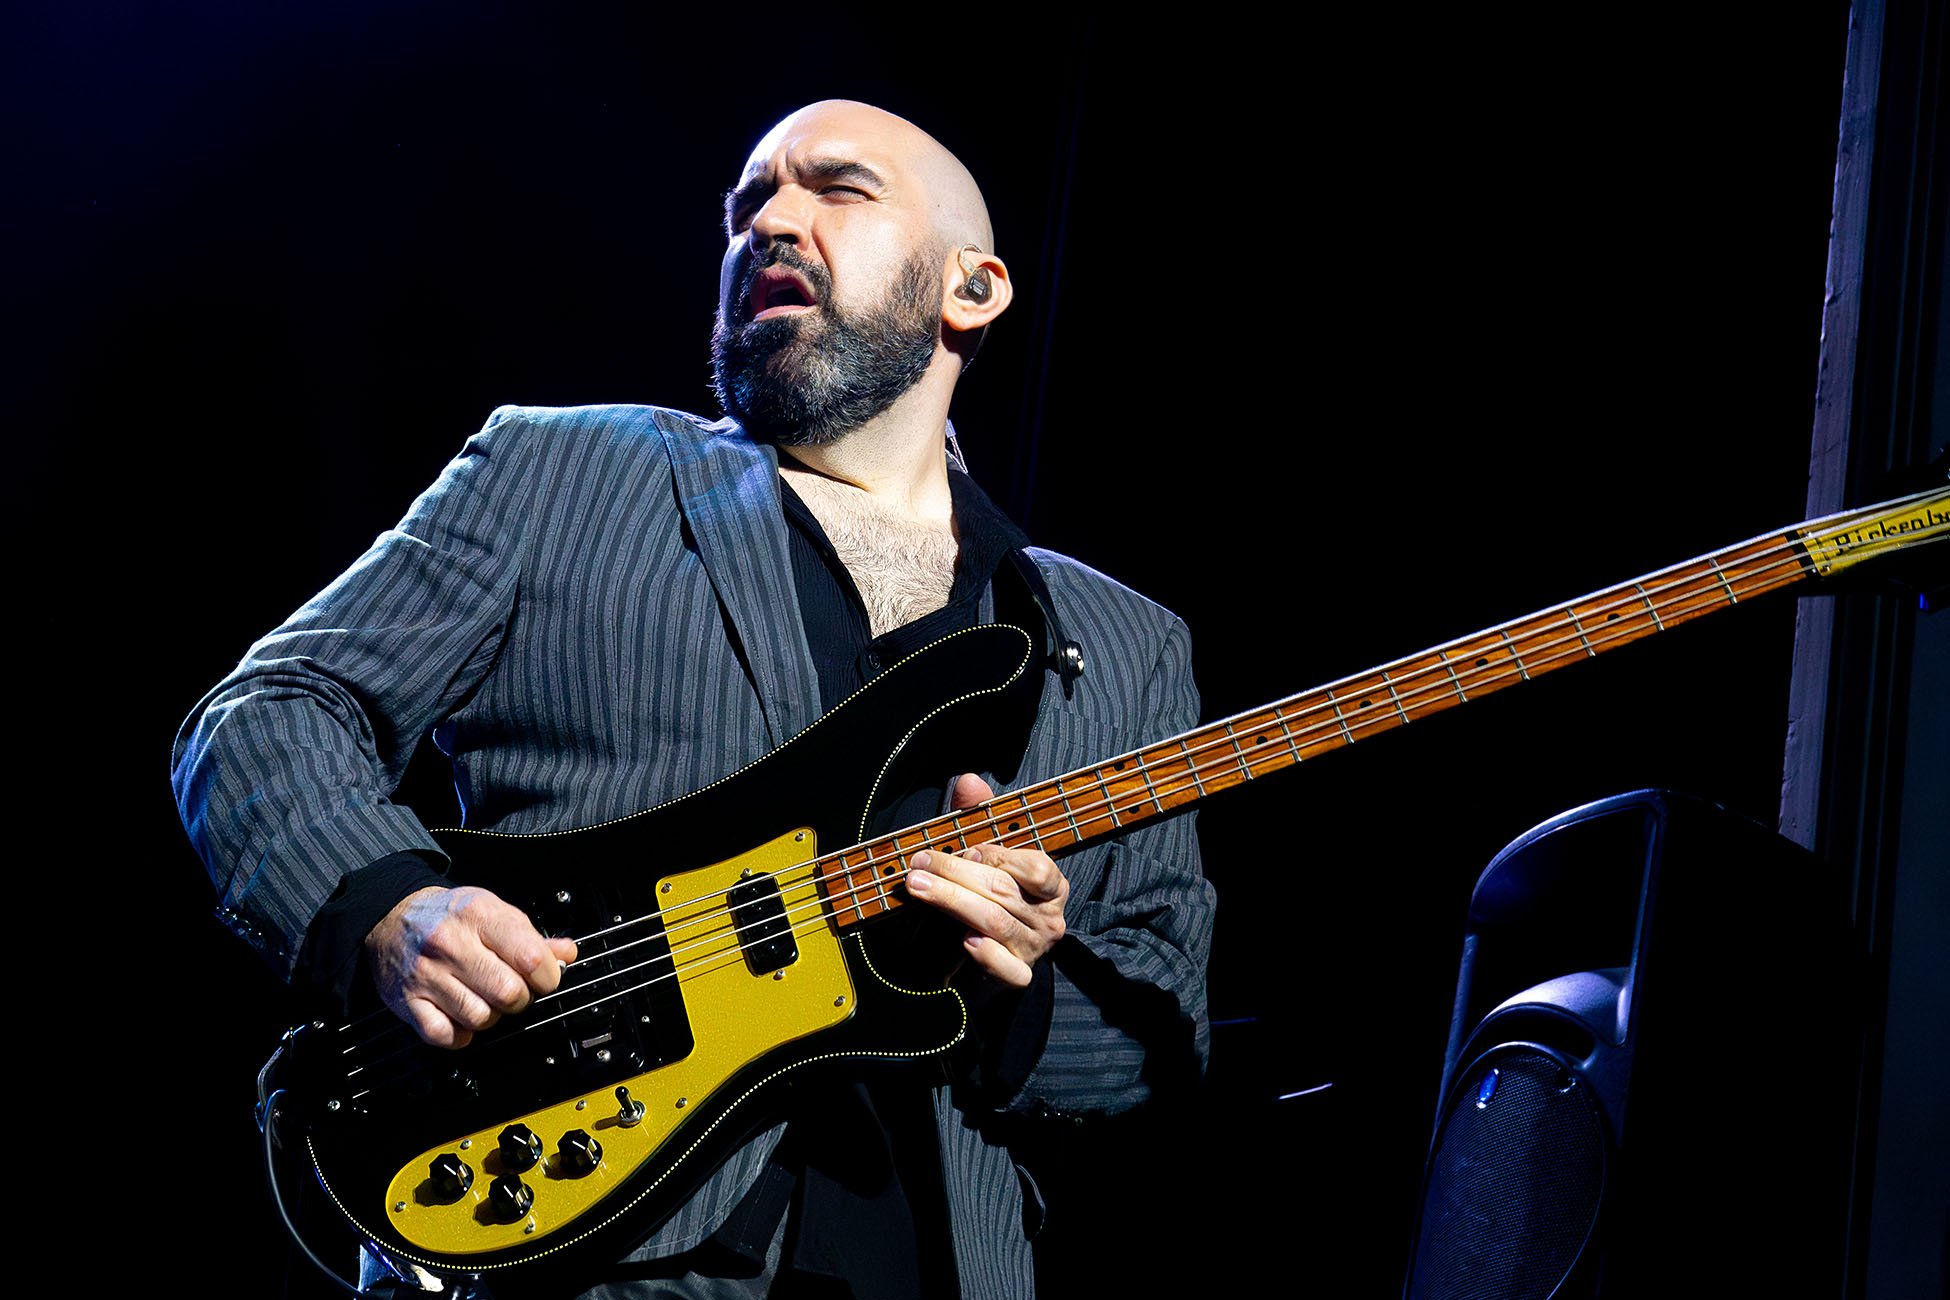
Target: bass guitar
(724, 937)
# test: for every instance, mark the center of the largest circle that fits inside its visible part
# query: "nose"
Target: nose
(782, 217)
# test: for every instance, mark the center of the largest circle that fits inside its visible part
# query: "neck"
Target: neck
(897, 457)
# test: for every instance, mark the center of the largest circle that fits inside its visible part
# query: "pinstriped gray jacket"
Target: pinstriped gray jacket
(592, 611)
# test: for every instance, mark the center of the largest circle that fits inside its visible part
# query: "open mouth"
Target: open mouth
(777, 291)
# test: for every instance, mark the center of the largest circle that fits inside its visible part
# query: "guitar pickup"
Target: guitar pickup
(764, 933)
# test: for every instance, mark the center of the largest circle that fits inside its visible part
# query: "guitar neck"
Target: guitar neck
(1094, 802)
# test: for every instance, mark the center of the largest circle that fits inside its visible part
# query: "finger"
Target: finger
(1032, 875)
(546, 975)
(969, 791)
(486, 983)
(429, 1022)
(509, 939)
(996, 959)
(1023, 880)
(465, 1004)
(943, 881)
(562, 952)
(432, 1022)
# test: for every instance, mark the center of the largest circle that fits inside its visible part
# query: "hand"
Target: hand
(451, 961)
(1011, 900)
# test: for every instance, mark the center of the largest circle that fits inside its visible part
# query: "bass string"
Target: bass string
(1444, 679)
(1409, 692)
(1693, 587)
(1415, 687)
(725, 944)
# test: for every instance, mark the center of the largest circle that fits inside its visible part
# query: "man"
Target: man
(599, 610)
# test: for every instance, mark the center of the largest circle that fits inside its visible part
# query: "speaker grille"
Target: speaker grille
(1514, 1182)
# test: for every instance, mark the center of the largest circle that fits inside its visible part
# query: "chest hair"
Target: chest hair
(903, 567)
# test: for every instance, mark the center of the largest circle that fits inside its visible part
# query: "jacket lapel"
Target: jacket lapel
(728, 490)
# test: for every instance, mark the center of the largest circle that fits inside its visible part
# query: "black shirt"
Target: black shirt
(867, 1170)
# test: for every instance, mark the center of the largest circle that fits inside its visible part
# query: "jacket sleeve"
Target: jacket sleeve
(283, 772)
(1127, 1016)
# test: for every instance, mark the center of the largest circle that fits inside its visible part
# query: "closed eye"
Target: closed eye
(825, 176)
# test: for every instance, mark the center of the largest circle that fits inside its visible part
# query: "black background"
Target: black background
(1340, 335)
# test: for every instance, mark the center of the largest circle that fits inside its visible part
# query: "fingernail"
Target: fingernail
(919, 882)
(919, 859)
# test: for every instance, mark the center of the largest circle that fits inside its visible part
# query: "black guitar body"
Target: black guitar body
(718, 965)
(711, 978)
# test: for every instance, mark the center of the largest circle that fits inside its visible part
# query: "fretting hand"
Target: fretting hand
(1011, 900)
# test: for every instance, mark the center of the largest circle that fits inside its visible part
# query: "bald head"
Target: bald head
(858, 274)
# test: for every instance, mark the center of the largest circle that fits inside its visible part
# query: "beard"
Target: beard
(809, 378)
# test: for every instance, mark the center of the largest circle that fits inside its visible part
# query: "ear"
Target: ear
(961, 310)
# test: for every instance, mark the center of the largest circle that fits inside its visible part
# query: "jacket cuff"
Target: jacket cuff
(1013, 1028)
(331, 964)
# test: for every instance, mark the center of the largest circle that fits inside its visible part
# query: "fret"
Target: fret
(852, 886)
(850, 881)
(1578, 626)
(1733, 597)
(1028, 815)
(1151, 786)
(1239, 752)
(1191, 762)
(1460, 693)
(1016, 821)
(1286, 729)
(1339, 716)
(1258, 753)
(1069, 813)
(1759, 569)
(1650, 608)
(933, 837)
(1522, 671)
(1110, 800)
(879, 882)
(1395, 697)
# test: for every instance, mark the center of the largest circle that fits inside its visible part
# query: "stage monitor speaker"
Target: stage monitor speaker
(1651, 1073)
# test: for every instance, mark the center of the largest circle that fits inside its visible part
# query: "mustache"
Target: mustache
(780, 254)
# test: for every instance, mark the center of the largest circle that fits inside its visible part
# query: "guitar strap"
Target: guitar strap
(1026, 603)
